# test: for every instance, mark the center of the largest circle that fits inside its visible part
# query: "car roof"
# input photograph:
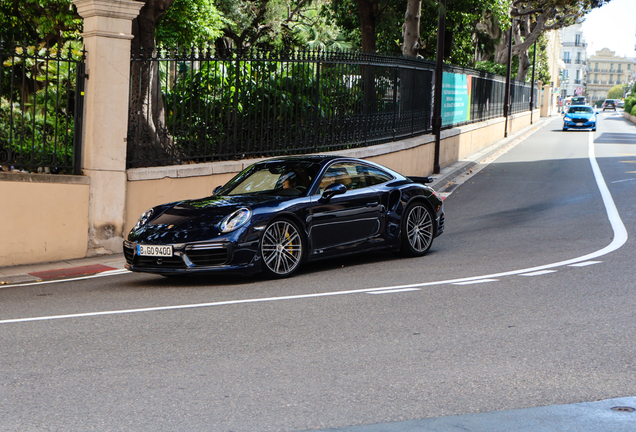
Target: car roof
(323, 160)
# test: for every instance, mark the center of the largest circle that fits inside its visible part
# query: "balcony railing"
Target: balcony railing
(578, 44)
(567, 61)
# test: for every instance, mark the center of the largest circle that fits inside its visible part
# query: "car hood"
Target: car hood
(195, 220)
(580, 115)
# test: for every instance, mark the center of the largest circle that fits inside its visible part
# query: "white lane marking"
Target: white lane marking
(587, 263)
(539, 273)
(394, 291)
(471, 282)
(101, 274)
(620, 237)
(621, 181)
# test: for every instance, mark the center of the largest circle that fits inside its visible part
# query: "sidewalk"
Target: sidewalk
(443, 183)
(60, 269)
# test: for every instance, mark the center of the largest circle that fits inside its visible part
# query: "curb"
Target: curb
(34, 273)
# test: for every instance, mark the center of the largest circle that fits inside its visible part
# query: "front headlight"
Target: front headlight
(236, 220)
(567, 118)
(143, 220)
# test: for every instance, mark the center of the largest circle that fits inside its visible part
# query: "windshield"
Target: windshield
(580, 109)
(276, 177)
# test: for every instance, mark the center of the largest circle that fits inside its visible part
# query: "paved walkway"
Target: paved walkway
(611, 415)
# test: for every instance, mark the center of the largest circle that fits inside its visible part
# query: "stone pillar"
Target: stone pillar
(546, 105)
(107, 35)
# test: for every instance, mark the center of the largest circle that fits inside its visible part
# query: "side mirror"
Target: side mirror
(597, 112)
(332, 190)
(216, 189)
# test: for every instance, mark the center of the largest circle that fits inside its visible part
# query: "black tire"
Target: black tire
(282, 247)
(418, 229)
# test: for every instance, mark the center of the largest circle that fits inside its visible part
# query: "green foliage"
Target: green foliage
(288, 96)
(542, 71)
(48, 21)
(491, 67)
(37, 121)
(630, 102)
(633, 110)
(190, 22)
(617, 91)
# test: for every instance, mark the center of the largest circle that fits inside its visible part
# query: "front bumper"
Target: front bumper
(588, 124)
(196, 258)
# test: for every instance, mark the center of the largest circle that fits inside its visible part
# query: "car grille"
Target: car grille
(129, 254)
(173, 262)
(207, 257)
(579, 120)
(200, 256)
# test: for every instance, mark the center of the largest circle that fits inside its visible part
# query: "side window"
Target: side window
(376, 176)
(350, 175)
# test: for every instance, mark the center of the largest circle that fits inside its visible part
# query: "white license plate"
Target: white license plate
(158, 251)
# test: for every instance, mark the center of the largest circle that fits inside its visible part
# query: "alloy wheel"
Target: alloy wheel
(281, 248)
(419, 228)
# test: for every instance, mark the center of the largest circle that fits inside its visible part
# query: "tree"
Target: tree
(146, 103)
(189, 23)
(531, 18)
(618, 91)
(50, 22)
(411, 29)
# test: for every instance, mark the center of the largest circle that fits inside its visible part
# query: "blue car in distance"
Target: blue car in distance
(580, 117)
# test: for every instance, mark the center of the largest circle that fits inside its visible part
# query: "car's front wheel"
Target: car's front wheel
(282, 248)
(417, 230)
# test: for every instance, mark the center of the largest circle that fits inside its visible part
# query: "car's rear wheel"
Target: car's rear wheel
(417, 230)
(282, 248)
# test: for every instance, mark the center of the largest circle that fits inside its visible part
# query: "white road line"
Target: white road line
(539, 273)
(475, 281)
(619, 239)
(586, 263)
(394, 291)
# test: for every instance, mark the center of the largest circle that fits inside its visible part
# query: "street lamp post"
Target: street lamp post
(507, 93)
(437, 97)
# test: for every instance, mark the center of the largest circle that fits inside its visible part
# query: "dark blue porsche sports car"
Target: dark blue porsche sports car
(281, 212)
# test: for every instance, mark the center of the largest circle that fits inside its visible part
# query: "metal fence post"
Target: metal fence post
(80, 76)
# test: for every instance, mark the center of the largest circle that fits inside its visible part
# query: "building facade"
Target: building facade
(574, 56)
(606, 70)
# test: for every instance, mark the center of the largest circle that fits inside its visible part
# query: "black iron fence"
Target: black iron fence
(41, 96)
(199, 107)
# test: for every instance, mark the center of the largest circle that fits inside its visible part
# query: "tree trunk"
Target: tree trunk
(411, 29)
(146, 118)
(368, 11)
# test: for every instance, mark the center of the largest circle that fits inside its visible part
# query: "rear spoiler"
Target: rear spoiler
(422, 180)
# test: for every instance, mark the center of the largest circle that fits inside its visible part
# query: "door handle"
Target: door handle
(372, 204)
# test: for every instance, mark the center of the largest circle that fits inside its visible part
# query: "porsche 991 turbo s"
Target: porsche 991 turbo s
(280, 213)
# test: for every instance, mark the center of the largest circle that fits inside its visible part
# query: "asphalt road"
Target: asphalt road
(526, 301)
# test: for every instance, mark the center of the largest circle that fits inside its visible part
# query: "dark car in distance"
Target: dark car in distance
(578, 100)
(609, 104)
(282, 212)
